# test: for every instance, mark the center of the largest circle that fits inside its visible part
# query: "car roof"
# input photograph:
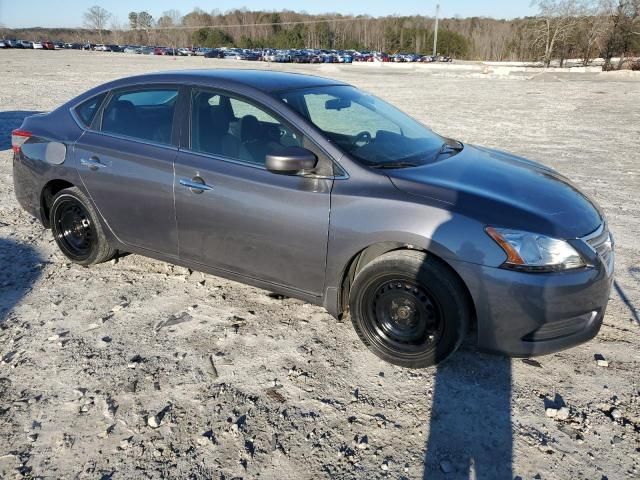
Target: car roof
(263, 80)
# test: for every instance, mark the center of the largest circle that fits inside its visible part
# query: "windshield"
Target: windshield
(370, 130)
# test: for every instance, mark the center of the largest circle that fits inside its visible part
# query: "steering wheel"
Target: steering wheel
(362, 139)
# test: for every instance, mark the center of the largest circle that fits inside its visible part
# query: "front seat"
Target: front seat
(253, 142)
(213, 129)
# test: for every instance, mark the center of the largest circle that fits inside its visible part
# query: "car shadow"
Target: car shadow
(470, 434)
(10, 120)
(21, 266)
(623, 296)
(470, 430)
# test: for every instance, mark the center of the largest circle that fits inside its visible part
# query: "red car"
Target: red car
(48, 45)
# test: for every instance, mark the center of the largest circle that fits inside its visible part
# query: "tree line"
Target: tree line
(562, 29)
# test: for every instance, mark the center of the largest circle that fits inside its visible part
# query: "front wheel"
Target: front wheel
(409, 309)
(77, 230)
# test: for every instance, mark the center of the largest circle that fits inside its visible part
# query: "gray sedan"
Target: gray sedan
(311, 188)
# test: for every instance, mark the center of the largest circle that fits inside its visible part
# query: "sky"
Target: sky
(68, 13)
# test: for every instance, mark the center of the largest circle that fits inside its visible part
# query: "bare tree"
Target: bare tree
(96, 18)
(590, 31)
(117, 32)
(174, 16)
(622, 36)
(169, 24)
(556, 21)
(197, 18)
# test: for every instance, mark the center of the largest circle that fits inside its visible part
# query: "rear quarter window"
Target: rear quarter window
(86, 111)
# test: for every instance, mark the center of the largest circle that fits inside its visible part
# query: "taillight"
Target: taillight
(18, 137)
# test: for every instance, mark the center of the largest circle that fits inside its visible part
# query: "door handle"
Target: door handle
(93, 163)
(196, 184)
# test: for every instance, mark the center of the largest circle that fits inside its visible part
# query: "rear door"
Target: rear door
(245, 219)
(126, 165)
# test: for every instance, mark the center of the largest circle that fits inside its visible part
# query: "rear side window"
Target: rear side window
(145, 114)
(86, 111)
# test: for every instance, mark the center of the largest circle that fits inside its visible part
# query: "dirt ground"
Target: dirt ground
(138, 369)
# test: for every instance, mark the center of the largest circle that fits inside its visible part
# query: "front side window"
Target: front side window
(365, 127)
(86, 111)
(233, 128)
(142, 114)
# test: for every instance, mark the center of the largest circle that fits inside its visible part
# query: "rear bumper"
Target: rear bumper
(27, 186)
(30, 177)
(526, 314)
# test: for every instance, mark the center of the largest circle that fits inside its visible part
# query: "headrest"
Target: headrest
(249, 128)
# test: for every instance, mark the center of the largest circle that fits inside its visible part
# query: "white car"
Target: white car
(101, 48)
(37, 45)
(185, 52)
(278, 57)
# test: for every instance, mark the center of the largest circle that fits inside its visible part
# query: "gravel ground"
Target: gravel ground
(139, 369)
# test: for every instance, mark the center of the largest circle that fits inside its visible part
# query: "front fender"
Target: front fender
(363, 217)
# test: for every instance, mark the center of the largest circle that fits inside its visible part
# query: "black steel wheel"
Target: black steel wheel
(73, 229)
(77, 229)
(409, 309)
(405, 313)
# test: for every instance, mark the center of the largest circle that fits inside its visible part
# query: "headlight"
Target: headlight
(535, 253)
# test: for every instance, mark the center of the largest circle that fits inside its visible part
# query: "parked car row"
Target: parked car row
(312, 55)
(44, 45)
(266, 54)
(98, 47)
(146, 50)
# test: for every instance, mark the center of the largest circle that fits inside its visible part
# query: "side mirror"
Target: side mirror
(291, 160)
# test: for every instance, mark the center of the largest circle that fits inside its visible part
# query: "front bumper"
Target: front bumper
(525, 314)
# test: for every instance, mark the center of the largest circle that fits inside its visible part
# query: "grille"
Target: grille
(602, 242)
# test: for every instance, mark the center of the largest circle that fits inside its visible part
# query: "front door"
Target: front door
(235, 215)
(127, 168)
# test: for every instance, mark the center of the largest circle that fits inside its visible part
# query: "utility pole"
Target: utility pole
(435, 35)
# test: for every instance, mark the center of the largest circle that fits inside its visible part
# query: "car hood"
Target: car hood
(503, 190)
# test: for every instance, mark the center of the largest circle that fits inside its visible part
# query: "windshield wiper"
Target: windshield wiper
(394, 165)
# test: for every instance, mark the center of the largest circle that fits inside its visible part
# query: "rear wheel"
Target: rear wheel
(409, 309)
(77, 229)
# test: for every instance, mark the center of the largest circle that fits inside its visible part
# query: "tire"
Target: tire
(409, 309)
(77, 229)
